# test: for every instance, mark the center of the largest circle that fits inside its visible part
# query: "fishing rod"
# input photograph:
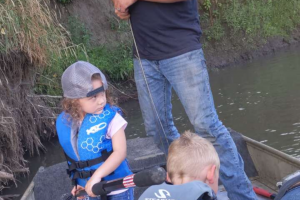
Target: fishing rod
(145, 178)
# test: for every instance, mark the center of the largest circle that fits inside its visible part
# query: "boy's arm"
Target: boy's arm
(112, 162)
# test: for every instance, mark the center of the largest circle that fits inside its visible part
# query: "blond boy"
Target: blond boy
(193, 169)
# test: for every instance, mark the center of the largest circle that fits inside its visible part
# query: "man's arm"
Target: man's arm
(164, 1)
(121, 6)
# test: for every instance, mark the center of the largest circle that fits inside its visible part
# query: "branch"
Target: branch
(21, 170)
(9, 196)
(49, 96)
(121, 91)
(5, 175)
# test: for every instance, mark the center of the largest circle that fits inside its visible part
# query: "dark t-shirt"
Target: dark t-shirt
(165, 30)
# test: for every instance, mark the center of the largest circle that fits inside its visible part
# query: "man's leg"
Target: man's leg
(188, 76)
(160, 90)
(293, 194)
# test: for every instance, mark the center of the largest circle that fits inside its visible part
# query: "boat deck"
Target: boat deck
(222, 193)
(260, 161)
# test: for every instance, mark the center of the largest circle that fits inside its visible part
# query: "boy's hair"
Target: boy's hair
(189, 155)
(72, 106)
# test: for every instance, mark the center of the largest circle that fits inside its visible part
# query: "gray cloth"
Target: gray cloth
(76, 80)
(188, 191)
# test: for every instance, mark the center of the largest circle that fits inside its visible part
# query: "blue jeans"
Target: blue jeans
(187, 75)
(293, 194)
(128, 195)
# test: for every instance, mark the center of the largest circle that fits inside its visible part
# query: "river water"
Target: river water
(260, 99)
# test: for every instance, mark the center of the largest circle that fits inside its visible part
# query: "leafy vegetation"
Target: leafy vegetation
(252, 18)
(115, 62)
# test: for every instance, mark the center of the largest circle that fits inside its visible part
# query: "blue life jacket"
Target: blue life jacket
(195, 190)
(88, 148)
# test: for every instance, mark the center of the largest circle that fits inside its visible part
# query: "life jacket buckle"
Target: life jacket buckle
(84, 174)
(82, 164)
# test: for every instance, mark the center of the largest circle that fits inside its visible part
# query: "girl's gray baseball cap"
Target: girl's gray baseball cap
(76, 80)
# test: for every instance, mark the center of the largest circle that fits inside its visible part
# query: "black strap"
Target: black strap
(87, 163)
(83, 174)
(94, 92)
(287, 186)
(104, 197)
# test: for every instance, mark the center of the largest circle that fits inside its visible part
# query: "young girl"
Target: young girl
(91, 131)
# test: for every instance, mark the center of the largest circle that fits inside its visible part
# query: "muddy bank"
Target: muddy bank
(234, 50)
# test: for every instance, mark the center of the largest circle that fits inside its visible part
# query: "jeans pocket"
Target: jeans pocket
(196, 55)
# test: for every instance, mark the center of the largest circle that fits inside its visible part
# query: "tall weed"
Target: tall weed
(30, 27)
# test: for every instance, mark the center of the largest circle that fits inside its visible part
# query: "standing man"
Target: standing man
(167, 34)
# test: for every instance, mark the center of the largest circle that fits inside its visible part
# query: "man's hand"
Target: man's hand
(121, 8)
(122, 14)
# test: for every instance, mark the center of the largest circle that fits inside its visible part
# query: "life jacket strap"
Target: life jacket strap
(87, 163)
(83, 174)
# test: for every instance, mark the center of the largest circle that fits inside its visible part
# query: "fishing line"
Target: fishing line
(150, 95)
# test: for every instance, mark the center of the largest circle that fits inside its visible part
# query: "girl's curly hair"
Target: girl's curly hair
(72, 106)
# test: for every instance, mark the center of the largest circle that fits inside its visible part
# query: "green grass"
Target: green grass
(116, 63)
(79, 33)
(253, 18)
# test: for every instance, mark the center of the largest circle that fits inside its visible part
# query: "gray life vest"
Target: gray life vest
(195, 190)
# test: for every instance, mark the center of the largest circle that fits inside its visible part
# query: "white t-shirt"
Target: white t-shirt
(116, 124)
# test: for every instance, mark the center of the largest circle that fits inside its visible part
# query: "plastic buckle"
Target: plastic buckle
(82, 164)
(84, 174)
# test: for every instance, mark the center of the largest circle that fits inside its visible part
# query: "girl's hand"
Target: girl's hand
(88, 187)
(112, 162)
(75, 191)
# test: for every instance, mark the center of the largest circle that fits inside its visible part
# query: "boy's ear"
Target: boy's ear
(168, 178)
(211, 174)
